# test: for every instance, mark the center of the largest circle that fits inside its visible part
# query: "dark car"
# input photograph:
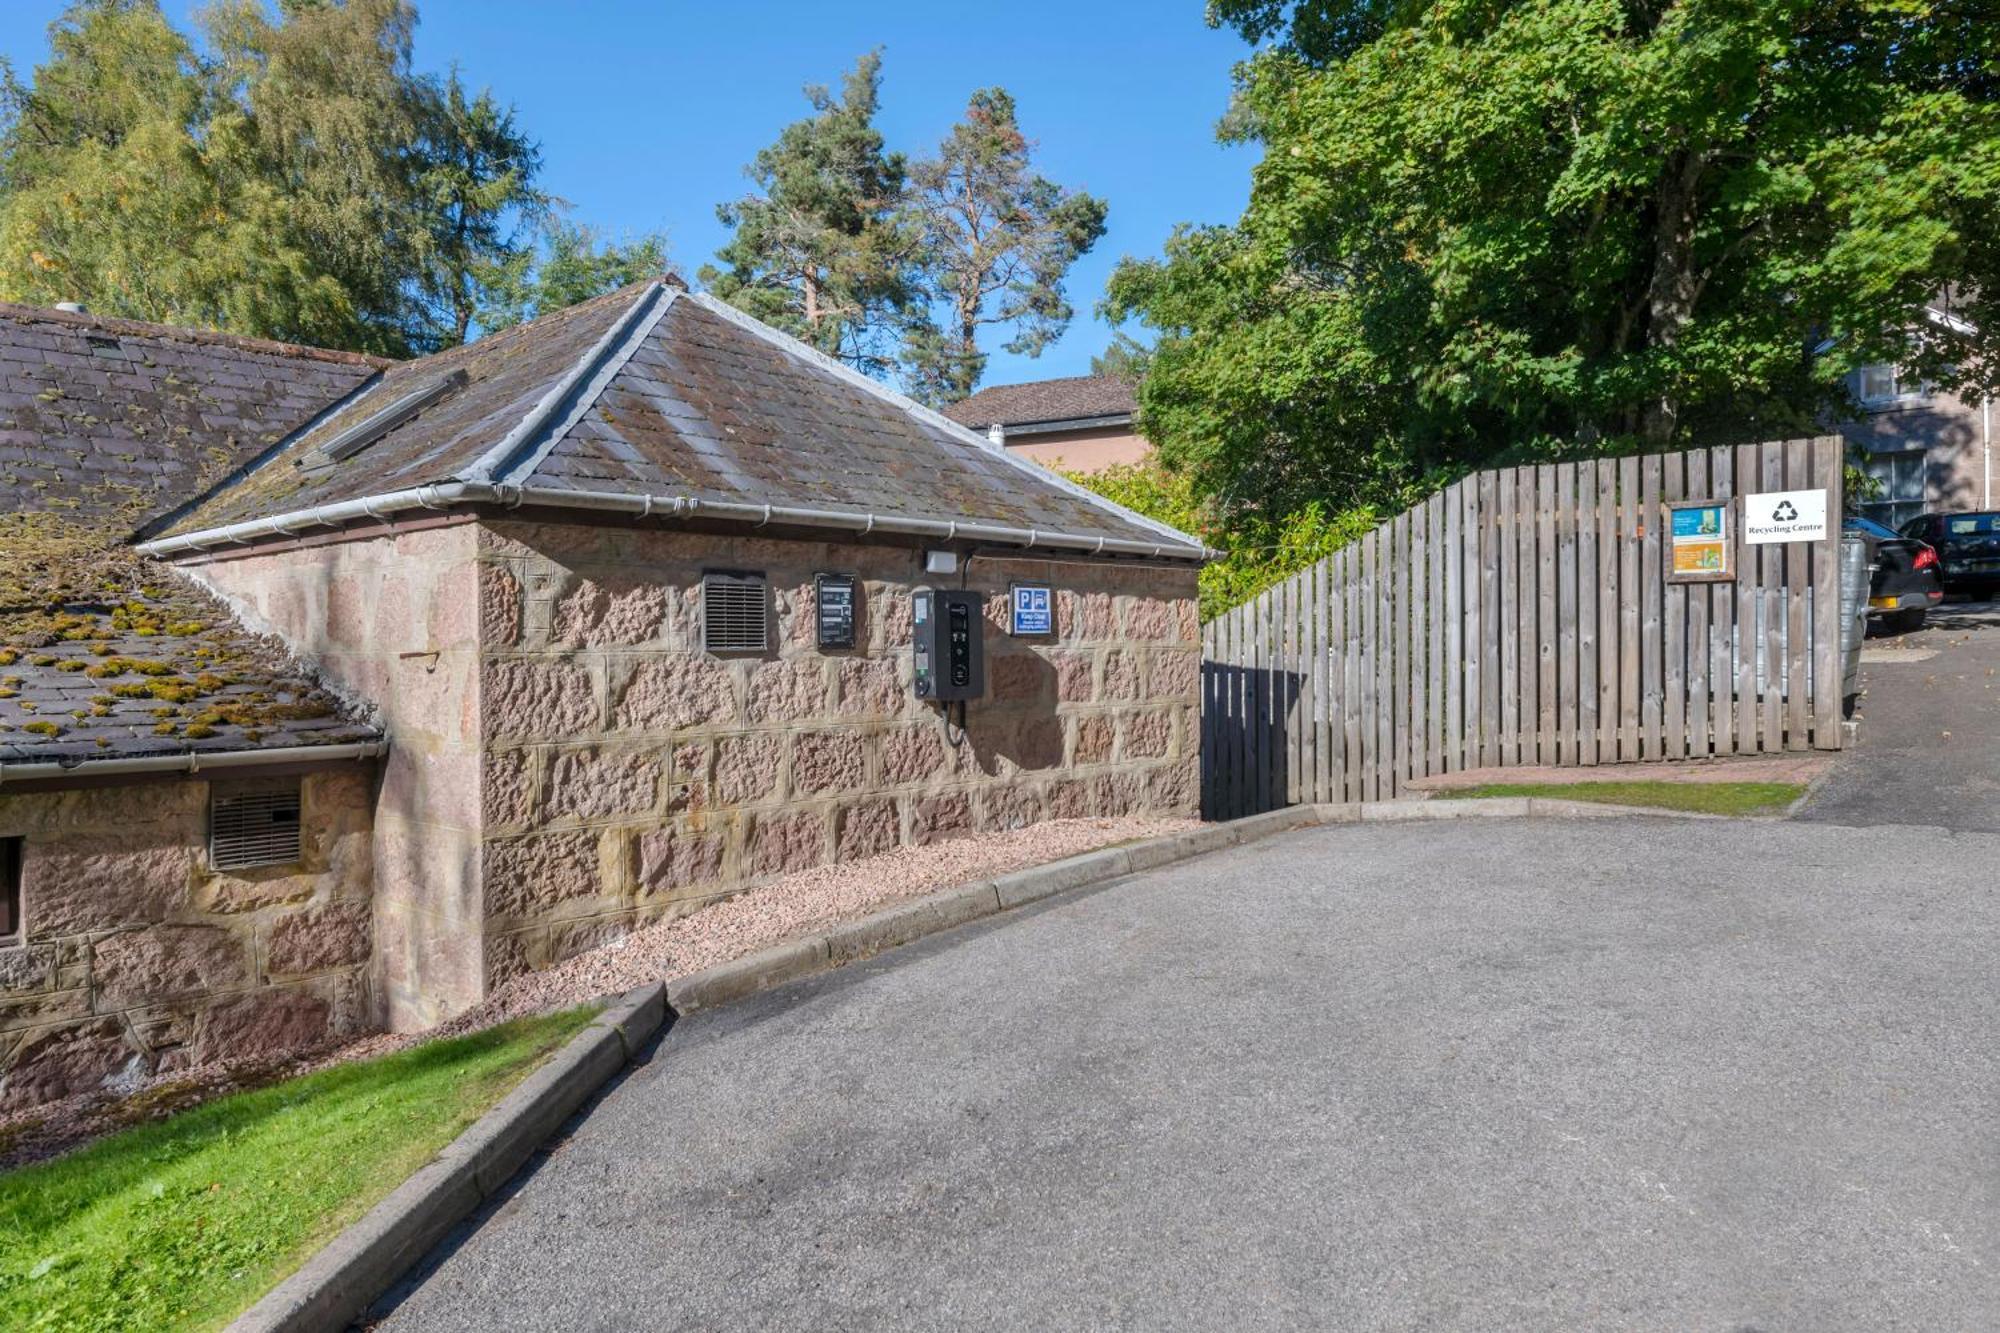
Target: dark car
(1967, 544)
(1906, 583)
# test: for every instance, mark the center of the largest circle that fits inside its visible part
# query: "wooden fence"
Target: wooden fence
(1525, 617)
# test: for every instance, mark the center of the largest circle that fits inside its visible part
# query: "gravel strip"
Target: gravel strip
(758, 918)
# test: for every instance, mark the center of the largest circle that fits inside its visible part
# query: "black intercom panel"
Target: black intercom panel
(836, 601)
(949, 632)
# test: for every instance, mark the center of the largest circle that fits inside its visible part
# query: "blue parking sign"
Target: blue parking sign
(1034, 609)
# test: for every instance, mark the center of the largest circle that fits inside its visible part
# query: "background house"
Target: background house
(1931, 451)
(1079, 424)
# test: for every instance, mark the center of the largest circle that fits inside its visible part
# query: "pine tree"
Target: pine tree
(475, 174)
(997, 241)
(818, 249)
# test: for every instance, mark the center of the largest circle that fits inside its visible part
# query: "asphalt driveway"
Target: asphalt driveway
(1602, 1074)
(1927, 747)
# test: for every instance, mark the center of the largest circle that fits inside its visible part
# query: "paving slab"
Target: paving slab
(1624, 1073)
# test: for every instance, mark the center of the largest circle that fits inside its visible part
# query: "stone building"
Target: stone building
(576, 577)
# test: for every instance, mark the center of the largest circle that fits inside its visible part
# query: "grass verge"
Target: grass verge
(1708, 798)
(184, 1223)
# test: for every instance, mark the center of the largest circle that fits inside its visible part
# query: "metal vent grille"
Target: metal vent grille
(253, 828)
(734, 613)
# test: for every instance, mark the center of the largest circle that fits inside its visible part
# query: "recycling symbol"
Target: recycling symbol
(1785, 513)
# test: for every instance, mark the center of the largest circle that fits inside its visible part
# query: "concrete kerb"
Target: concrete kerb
(336, 1285)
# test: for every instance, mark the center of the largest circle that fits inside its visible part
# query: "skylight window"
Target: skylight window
(376, 424)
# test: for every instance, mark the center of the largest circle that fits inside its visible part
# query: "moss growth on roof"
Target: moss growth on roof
(135, 657)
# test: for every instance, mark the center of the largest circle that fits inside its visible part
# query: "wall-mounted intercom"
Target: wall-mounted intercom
(948, 630)
(834, 597)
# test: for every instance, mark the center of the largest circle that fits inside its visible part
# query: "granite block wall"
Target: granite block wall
(394, 622)
(629, 776)
(137, 957)
(568, 763)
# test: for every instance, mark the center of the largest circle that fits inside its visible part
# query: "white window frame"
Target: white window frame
(1896, 506)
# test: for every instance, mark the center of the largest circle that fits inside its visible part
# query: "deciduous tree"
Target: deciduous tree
(572, 263)
(1572, 225)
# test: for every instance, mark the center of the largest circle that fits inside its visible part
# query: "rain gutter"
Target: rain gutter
(451, 494)
(190, 761)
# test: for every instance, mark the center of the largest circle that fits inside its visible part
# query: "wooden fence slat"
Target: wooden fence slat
(1631, 612)
(1674, 618)
(1545, 576)
(1828, 454)
(1385, 662)
(1433, 606)
(1746, 607)
(1269, 773)
(1412, 693)
(1722, 612)
(1401, 535)
(1771, 606)
(1350, 694)
(1489, 544)
(1368, 644)
(1610, 591)
(1287, 680)
(1588, 584)
(1225, 721)
(1330, 648)
(1798, 572)
(1460, 672)
(1507, 617)
(1253, 752)
(1317, 681)
(1701, 657)
(1569, 643)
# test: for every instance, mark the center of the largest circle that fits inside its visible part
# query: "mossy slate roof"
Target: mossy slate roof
(115, 656)
(109, 421)
(104, 423)
(652, 391)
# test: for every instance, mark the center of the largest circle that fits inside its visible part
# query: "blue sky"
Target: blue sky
(647, 112)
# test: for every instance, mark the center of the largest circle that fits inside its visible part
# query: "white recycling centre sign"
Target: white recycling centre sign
(1784, 516)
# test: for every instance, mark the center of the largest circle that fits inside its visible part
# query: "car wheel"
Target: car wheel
(1907, 622)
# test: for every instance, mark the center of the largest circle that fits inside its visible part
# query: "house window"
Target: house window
(1882, 384)
(1904, 477)
(735, 612)
(10, 891)
(253, 825)
(1878, 383)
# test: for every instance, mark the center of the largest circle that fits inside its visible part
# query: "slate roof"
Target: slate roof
(658, 392)
(121, 657)
(108, 421)
(1077, 398)
(104, 422)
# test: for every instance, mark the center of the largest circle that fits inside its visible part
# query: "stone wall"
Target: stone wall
(394, 621)
(630, 776)
(137, 957)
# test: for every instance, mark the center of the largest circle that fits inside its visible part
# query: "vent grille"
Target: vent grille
(734, 613)
(253, 828)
